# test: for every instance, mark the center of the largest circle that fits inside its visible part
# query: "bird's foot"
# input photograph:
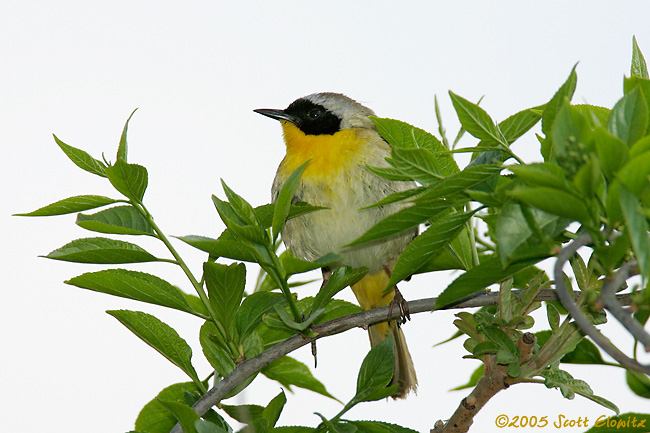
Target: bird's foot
(400, 302)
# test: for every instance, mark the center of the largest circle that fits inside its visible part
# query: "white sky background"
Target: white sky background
(196, 71)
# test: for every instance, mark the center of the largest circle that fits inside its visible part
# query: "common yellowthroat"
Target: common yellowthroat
(337, 135)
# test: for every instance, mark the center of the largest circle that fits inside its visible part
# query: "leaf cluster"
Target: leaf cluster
(492, 221)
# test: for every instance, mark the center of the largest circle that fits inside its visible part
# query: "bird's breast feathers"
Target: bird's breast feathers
(329, 153)
(337, 178)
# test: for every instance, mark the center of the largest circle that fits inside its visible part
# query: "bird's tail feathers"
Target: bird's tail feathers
(369, 293)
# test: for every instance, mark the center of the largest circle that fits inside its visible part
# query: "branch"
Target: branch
(495, 379)
(363, 319)
(581, 320)
(608, 296)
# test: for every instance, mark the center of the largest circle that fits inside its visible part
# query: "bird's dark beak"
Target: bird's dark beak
(277, 114)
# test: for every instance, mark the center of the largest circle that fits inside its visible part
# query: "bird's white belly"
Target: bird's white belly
(326, 231)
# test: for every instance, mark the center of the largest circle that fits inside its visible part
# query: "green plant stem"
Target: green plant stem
(284, 286)
(200, 385)
(531, 381)
(485, 244)
(472, 240)
(511, 153)
(441, 129)
(342, 412)
(180, 262)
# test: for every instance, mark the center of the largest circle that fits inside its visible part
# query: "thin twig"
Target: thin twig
(581, 320)
(363, 319)
(608, 296)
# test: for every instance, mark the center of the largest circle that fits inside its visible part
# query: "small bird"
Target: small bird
(336, 133)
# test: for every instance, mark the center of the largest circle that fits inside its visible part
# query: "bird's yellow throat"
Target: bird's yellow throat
(328, 153)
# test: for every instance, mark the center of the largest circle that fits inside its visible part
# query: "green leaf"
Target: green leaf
(272, 411)
(585, 352)
(639, 67)
(553, 316)
(68, 205)
(155, 417)
(595, 115)
(533, 286)
(612, 152)
(272, 334)
(476, 121)
(485, 347)
(643, 86)
(129, 179)
(478, 278)
(629, 117)
(339, 280)
(637, 229)
(553, 201)
(502, 340)
(473, 380)
(294, 429)
(634, 174)
(401, 134)
(123, 150)
(134, 285)
(624, 423)
(639, 383)
(101, 251)
(238, 228)
(284, 199)
(250, 414)
(541, 174)
(293, 265)
(641, 146)
(570, 133)
(241, 207)
(214, 349)
(427, 244)
(569, 387)
(231, 249)
(291, 323)
(516, 239)
(398, 196)
(404, 136)
(226, 211)
(551, 109)
(225, 289)
(390, 173)
(402, 220)
(375, 374)
(203, 426)
(419, 164)
(612, 255)
(589, 179)
(122, 220)
(446, 260)
(583, 277)
(160, 336)
(82, 159)
(183, 413)
(518, 124)
(265, 212)
(253, 308)
(378, 427)
(291, 372)
(252, 345)
(460, 182)
(462, 246)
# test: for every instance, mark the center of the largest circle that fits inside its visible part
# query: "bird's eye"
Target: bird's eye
(315, 113)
